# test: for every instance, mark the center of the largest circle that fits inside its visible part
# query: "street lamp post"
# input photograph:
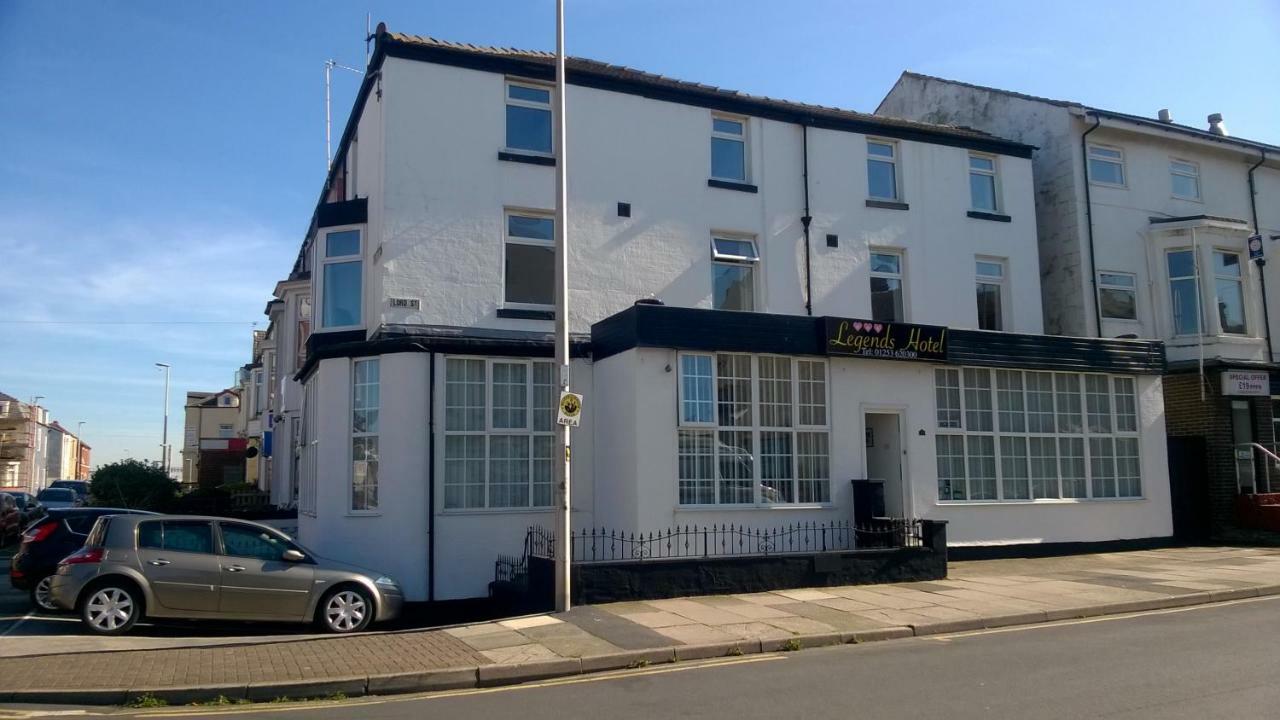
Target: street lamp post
(164, 441)
(564, 504)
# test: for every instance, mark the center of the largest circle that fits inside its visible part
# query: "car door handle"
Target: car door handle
(158, 563)
(235, 568)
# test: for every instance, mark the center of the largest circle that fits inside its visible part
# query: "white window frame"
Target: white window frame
(742, 138)
(321, 243)
(900, 276)
(993, 173)
(1103, 284)
(1193, 174)
(1084, 435)
(353, 435)
(752, 262)
(756, 428)
(549, 106)
(1001, 282)
(891, 160)
(1117, 161)
(489, 431)
(508, 238)
(1240, 280)
(1200, 294)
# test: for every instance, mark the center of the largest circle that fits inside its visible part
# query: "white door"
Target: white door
(884, 458)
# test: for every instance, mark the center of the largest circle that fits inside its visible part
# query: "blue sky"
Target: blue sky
(161, 159)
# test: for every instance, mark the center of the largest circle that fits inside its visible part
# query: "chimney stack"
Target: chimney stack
(1215, 125)
(1165, 116)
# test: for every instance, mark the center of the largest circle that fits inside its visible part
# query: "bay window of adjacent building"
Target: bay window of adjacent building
(1118, 295)
(1184, 178)
(1106, 165)
(990, 274)
(528, 265)
(499, 420)
(528, 117)
(983, 188)
(886, 286)
(365, 404)
(733, 267)
(729, 148)
(341, 280)
(1035, 435)
(1228, 287)
(1184, 291)
(882, 170)
(753, 430)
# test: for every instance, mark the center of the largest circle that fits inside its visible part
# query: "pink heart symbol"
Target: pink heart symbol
(878, 327)
(857, 325)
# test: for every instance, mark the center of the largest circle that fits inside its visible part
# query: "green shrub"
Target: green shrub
(132, 484)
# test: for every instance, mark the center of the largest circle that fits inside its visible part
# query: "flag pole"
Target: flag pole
(563, 506)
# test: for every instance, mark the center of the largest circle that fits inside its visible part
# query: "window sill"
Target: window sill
(753, 507)
(1187, 199)
(980, 215)
(497, 511)
(362, 514)
(1113, 186)
(730, 185)
(523, 314)
(888, 205)
(527, 158)
(1042, 501)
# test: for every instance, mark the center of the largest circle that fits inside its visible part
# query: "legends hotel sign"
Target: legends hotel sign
(884, 340)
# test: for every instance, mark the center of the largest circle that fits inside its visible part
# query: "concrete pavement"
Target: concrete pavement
(980, 594)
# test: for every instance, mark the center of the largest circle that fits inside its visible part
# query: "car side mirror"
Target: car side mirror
(292, 555)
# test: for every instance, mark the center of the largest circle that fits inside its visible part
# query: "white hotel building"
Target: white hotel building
(776, 236)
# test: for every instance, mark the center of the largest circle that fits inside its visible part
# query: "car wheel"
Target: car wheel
(42, 595)
(111, 609)
(346, 610)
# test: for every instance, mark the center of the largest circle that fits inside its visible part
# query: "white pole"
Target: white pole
(164, 441)
(563, 502)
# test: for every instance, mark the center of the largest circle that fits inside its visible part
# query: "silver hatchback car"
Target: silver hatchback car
(190, 567)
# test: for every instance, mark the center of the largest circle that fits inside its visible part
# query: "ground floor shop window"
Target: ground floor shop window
(499, 420)
(365, 403)
(1026, 435)
(753, 430)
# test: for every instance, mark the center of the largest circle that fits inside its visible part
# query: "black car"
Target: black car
(81, 487)
(46, 542)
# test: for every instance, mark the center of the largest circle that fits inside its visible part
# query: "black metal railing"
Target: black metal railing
(511, 569)
(717, 541)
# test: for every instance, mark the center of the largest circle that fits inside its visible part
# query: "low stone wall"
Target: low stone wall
(600, 582)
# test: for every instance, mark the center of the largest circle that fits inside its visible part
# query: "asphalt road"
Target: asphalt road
(1202, 663)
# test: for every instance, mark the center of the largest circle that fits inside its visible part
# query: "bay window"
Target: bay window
(341, 280)
(1054, 435)
(499, 419)
(753, 430)
(1184, 291)
(1228, 286)
(365, 402)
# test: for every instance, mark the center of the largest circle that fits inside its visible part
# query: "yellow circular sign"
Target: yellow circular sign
(570, 405)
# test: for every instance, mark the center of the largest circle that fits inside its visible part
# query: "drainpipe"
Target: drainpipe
(1261, 262)
(1088, 221)
(805, 220)
(431, 477)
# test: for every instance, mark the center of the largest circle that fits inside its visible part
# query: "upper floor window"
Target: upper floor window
(886, 287)
(1228, 285)
(990, 288)
(1106, 165)
(1185, 179)
(341, 280)
(733, 267)
(1118, 295)
(982, 183)
(528, 117)
(226, 430)
(1184, 291)
(729, 148)
(882, 170)
(529, 260)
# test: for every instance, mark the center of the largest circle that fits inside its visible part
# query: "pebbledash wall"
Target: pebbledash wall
(419, 175)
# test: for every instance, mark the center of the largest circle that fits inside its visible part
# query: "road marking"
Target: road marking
(360, 702)
(19, 623)
(1102, 618)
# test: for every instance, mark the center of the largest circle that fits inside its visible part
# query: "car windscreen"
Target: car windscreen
(57, 495)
